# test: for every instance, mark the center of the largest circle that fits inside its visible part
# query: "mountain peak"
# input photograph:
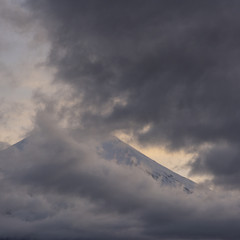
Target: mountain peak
(124, 154)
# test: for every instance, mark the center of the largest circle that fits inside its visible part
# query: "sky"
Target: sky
(161, 75)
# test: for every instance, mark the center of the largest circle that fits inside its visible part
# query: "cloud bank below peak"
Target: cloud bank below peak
(64, 189)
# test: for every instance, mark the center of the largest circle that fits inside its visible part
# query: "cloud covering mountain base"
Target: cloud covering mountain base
(58, 187)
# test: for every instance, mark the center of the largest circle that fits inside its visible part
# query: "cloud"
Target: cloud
(221, 161)
(166, 72)
(15, 119)
(3, 145)
(21, 72)
(171, 66)
(58, 187)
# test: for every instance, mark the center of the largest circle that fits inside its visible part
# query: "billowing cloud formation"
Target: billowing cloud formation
(221, 161)
(173, 64)
(57, 187)
(20, 69)
(167, 71)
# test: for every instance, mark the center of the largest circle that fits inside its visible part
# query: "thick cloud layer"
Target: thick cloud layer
(57, 187)
(168, 64)
(221, 161)
(166, 71)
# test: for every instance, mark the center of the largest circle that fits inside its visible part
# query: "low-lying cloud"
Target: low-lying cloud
(58, 187)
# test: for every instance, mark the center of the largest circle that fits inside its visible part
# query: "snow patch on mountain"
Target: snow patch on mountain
(122, 153)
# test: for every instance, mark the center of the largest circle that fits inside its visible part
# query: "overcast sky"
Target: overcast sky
(163, 75)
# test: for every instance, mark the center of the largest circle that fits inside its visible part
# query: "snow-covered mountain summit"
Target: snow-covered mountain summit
(122, 153)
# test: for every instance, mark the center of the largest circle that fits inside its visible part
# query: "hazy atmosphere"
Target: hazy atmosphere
(160, 75)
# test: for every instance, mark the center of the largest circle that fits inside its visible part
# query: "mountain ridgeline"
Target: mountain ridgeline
(123, 154)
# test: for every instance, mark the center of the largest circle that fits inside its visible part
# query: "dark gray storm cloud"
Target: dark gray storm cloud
(54, 186)
(221, 161)
(172, 66)
(173, 63)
